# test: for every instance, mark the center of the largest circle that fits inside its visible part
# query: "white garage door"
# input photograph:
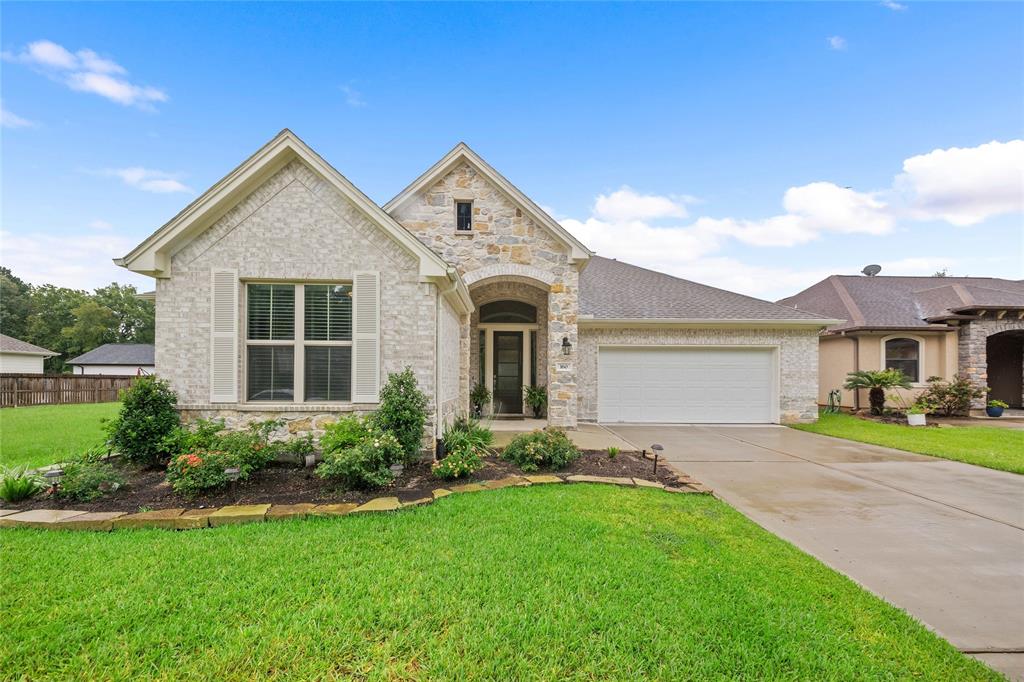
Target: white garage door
(686, 385)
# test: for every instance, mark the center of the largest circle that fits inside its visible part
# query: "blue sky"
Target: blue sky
(757, 147)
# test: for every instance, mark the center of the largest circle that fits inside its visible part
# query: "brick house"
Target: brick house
(283, 290)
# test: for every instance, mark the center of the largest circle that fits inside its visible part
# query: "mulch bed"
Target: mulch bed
(890, 419)
(280, 484)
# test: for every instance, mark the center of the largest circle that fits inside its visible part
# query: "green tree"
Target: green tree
(52, 312)
(876, 381)
(134, 317)
(94, 326)
(15, 304)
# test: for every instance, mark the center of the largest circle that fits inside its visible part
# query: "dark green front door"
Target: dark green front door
(508, 372)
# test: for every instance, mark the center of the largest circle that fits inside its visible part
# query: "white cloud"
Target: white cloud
(837, 42)
(86, 71)
(353, 97)
(893, 5)
(148, 180)
(9, 119)
(79, 262)
(960, 186)
(626, 204)
(100, 225)
(964, 186)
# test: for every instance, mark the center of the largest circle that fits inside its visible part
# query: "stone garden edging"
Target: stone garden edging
(185, 519)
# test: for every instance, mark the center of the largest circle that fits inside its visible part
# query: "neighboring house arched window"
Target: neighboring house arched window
(904, 354)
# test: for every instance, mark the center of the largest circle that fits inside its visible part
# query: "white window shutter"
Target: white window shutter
(366, 337)
(224, 336)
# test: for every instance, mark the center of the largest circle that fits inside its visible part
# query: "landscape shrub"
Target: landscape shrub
(466, 443)
(196, 472)
(199, 435)
(297, 448)
(403, 412)
(952, 398)
(549, 448)
(88, 480)
(344, 433)
(367, 464)
(19, 483)
(147, 418)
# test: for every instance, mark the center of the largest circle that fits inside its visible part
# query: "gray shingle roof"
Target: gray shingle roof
(117, 354)
(610, 289)
(9, 344)
(903, 302)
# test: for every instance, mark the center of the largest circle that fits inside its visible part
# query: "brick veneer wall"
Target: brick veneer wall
(295, 227)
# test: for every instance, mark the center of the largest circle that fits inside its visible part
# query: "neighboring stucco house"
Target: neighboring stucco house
(116, 358)
(925, 326)
(284, 290)
(21, 357)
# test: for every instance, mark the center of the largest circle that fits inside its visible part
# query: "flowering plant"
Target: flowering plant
(193, 472)
(550, 448)
(366, 464)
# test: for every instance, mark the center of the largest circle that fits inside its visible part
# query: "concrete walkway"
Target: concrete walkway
(939, 539)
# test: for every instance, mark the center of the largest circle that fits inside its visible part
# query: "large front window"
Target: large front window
(299, 342)
(904, 355)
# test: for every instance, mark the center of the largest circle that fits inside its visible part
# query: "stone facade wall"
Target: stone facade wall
(503, 290)
(798, 361)
(294, 227)
(973, 350)
(503, 234)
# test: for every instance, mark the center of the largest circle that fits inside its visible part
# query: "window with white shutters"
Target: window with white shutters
(299, 342)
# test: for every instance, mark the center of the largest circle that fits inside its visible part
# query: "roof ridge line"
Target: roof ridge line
(856, 316)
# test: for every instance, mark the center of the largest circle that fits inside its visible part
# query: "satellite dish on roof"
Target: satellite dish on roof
(871, 270)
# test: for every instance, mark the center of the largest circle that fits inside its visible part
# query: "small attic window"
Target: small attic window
(464, 216)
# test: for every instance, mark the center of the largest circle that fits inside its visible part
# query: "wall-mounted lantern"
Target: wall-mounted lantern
(566, 346)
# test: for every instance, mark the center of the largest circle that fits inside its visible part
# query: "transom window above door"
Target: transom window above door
(904, 355)
(508, 311)
(299, 342)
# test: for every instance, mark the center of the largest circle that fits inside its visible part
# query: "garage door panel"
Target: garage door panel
(680, 385)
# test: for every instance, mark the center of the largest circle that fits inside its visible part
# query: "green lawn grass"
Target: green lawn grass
(48, 434)
(550, 582)
(994, 448)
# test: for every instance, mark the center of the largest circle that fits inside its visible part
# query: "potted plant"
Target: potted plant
(917, 413)
(479, 397)
(876, 381)
(535, 397)
(995, 408)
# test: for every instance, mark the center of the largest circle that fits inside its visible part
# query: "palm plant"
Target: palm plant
(876, 382)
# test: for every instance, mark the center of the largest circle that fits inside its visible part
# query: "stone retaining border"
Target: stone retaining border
(184, 519)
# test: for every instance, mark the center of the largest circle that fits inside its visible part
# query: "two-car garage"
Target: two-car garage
(671, 384)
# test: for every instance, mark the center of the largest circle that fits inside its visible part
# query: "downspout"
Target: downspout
(856, 368)
(453, 282)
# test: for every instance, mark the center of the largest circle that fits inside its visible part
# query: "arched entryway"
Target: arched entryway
(1005, 357)
(508, 333)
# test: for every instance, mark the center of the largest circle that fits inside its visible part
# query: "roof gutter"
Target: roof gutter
(677, 323)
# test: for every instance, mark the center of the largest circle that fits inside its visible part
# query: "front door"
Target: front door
(508, 372)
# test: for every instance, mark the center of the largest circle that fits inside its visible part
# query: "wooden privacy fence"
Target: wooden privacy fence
(21, 390)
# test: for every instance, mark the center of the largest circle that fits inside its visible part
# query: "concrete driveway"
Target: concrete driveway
(940, 539)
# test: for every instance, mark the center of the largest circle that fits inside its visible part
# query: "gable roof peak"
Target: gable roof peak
(152, 256)
(463, 152)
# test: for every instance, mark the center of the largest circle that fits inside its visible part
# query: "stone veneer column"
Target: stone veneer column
(973, 359)
(562, 402)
